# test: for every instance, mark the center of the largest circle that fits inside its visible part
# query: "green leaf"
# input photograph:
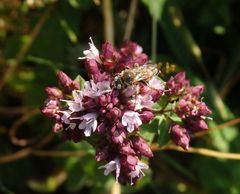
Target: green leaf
(163, 101)
(69, 31)
(80, 3)
(222, 139)
(80, 80)
(79, 169)
(178, 36)
(49, 184)
(163, 132)
(43, 62)
(149, 136)
(174, 117)
(155, 7)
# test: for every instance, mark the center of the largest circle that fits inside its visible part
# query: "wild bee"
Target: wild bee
(136, 74)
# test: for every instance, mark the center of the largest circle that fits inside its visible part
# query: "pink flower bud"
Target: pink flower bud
(57, 127)
(118, 135)
(92, 67)
(54, 92)
(180, 136)
(109, 56)
(115, 101)
(196, 124)
(197, 90)
(102, 100)
(177, 84)
(63, 79)
(203, 109)
(102, 154)
(109, 106)
(129, 161)
(50, 108)
(156, 94)
(141, 147)
(126, 149)
(114, 113)
(146, 116)
(67, 83)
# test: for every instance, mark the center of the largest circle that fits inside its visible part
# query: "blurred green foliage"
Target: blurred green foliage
(38, 37)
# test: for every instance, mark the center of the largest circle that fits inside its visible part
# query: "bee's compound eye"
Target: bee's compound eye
(119, 87)
(128, 77)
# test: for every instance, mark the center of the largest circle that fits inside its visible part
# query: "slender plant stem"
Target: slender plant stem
(58, 153)
(221, 126)
(130, 20)
(200, 151)
(24, 49)
(116, 188)
(55, 153)
(23, 153)
(108, 21)
(14, 129)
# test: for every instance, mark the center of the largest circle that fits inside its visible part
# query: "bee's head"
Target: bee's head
(118, 83)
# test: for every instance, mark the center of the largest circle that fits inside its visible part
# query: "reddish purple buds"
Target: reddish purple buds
(109, 56)
(54, 92)
(141, 147)
(177, 84)
(147, 116)
(66, 82)
(180, 136)
(92, 67)
(118, 135)
(57, 127)
(196, 124)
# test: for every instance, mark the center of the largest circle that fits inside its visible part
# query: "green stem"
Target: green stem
(130, 20)
(108, 21)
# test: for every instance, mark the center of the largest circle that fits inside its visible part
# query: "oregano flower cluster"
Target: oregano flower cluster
(118, 98)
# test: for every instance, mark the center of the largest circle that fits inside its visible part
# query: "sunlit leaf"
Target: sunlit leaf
(155, 7)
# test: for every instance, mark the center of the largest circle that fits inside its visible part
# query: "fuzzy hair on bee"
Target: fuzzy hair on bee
(135, 75)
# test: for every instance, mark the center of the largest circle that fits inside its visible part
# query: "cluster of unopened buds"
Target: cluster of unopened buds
(116, 101)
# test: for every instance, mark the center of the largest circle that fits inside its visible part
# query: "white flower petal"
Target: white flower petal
(156, 84)
(130, 128)
(111, 166)
(138, 170)
(87, 132)
(94, 125)
(92, 53)
(89, 123)
(82, 125)
(131, 119)
(94, 90)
